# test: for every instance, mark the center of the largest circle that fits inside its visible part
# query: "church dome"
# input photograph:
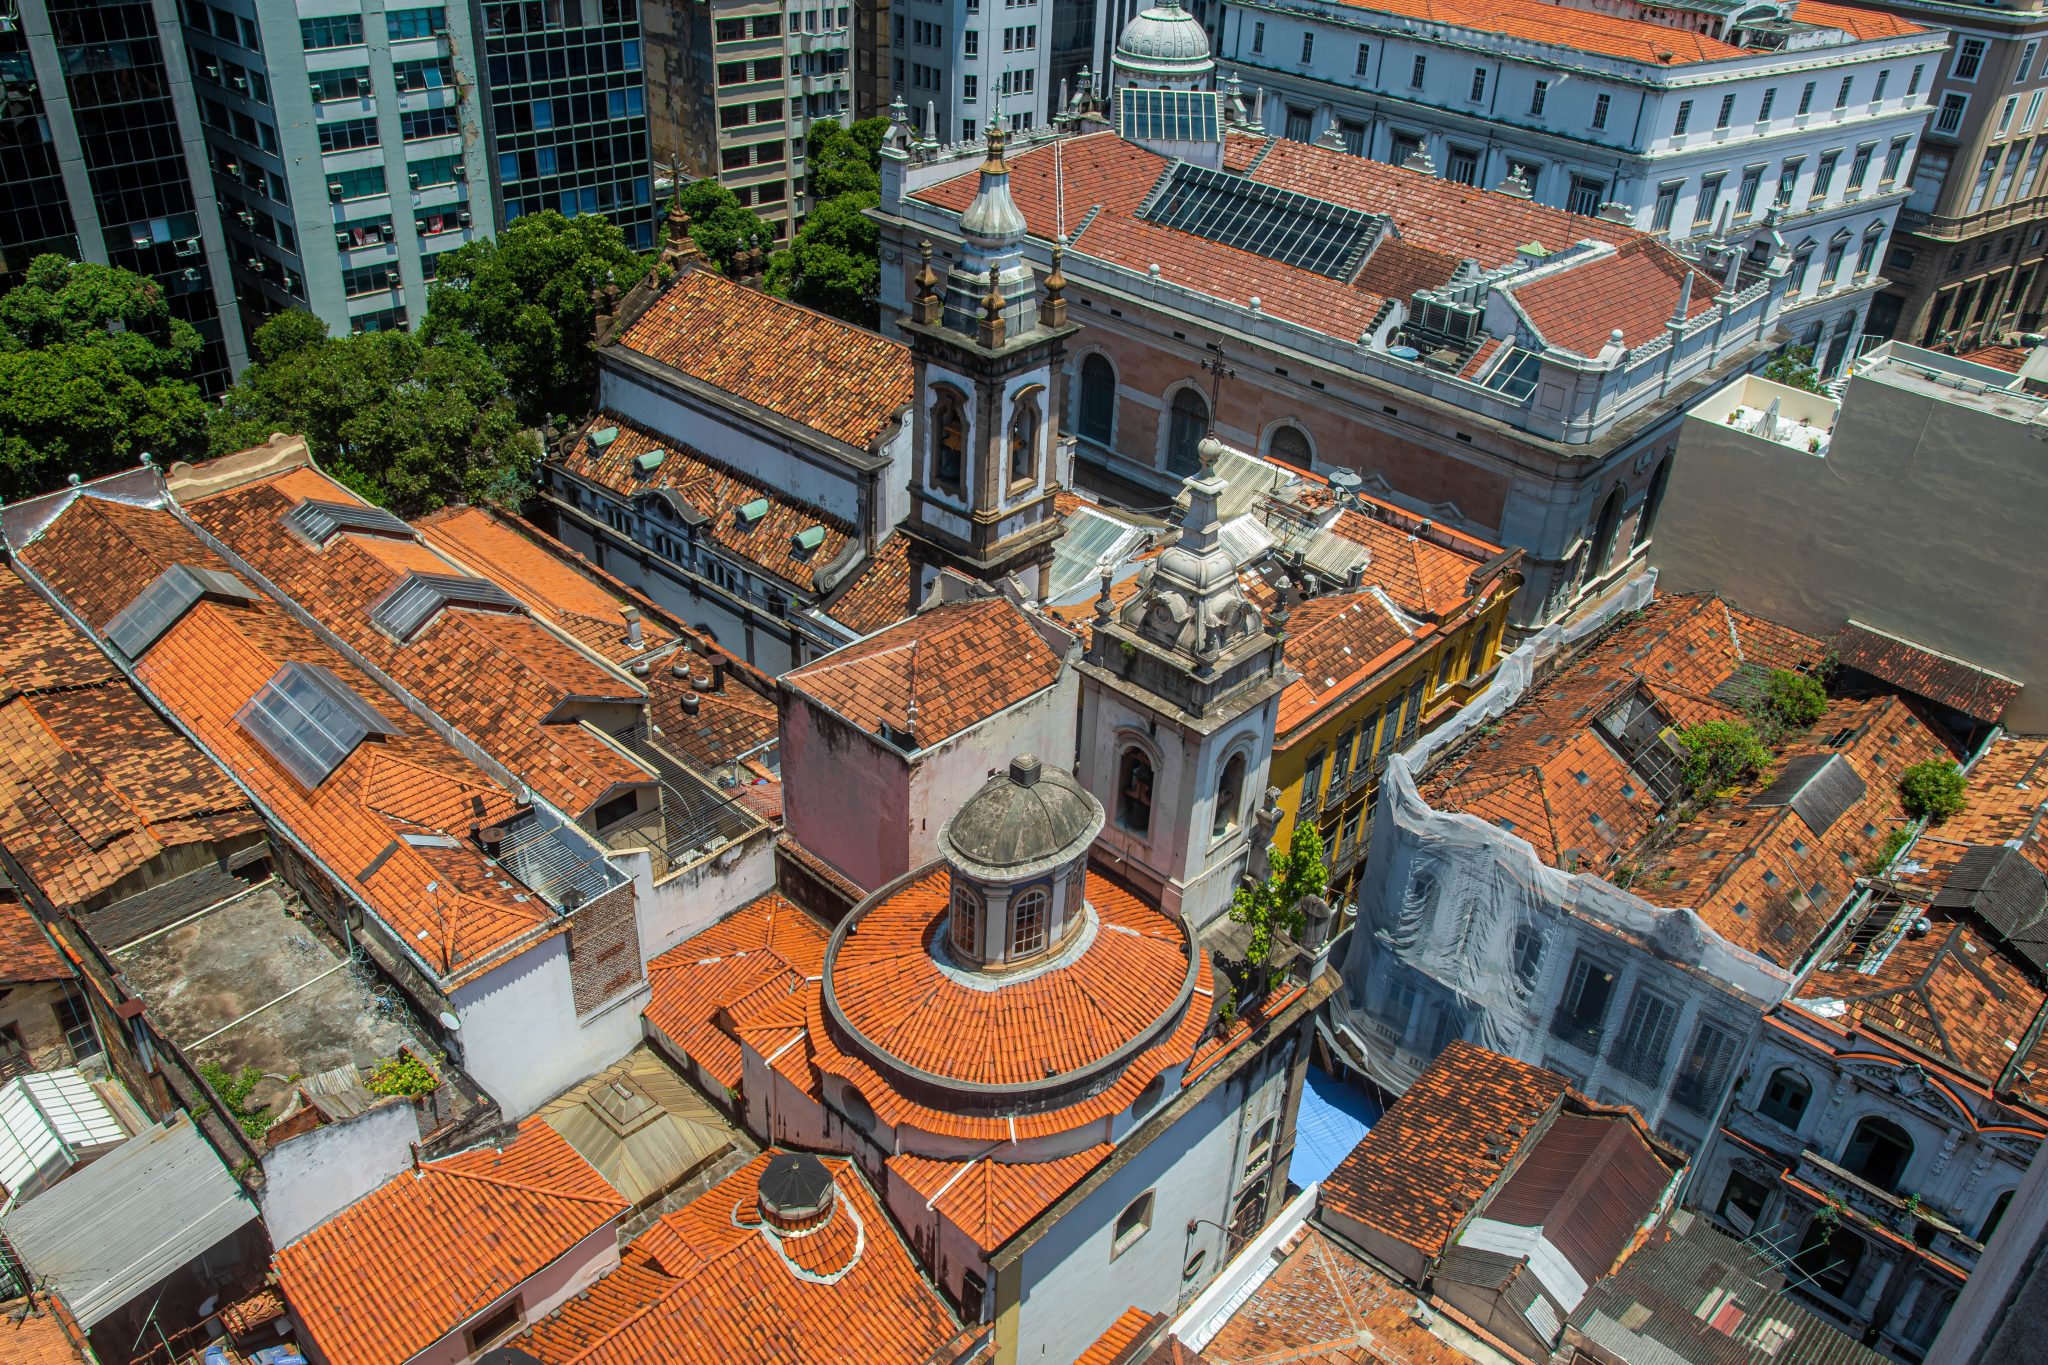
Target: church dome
(1028, 818)
(1164, 43)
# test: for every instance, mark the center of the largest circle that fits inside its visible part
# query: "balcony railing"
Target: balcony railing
(1899, 1214)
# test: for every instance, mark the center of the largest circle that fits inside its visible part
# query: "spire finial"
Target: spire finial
(992, 328)
(1052, 309)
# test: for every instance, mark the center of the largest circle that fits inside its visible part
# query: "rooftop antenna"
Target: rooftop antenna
(1218, 372)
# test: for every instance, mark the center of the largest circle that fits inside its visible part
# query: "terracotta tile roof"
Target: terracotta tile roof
(1976, 692)
(1421, 576)
(1635, 287)
(842, 380)
(429, 1249)
(729, 721)
(879, 595)
(1120, 1345)
(534, 674)
(891, 989)
(1324, 1306)
(2005, 800)
(1998, 357)
(711, 1284)
(26, 953)
(959, 663)
(716, 492)
(218, 656)
(760, 953)
(1335, 643)
(40, 1332)
(94, 785)
(1567, 27)
(1761, 876)
(992, 1200)
(555, 583)
(1951, 995)
(1442, 1145)
(1854, 20)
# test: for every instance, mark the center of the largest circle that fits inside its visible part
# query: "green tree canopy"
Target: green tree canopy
(1721, 753)
(1794, 368)
(720, 224)
(92, 375)
(1933, 790)
(1273, 904)
(835, 263)
(408, 425)
(845, 160)
(526, 297)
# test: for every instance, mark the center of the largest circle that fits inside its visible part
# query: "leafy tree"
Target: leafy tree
(1274, 903)
(526, 298)
(1721, 753)
(93, 373)
(845, 160)
(1933, 789)
(1793, 700)
(720, 224)
(1794, 369)
(408, 425)
(835, 263)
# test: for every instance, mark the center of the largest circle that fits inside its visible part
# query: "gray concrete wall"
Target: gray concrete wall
(1922, 519)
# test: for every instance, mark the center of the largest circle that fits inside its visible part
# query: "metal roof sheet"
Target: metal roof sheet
(124, 1223)
(1820, 788)
(48, 1119)
(2008, 893)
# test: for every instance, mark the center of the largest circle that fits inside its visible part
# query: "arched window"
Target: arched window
(966, 926)
(1290, 446)
(1029, 911)
(1993, 1218)
(1187, 424)
(1829, 1257)
(1259, 1154)
(1229, 797)
(1134, 1222)
(1024, 440)
(949, 443)
(1097, 418)
(1878, 1151)
(1604, 530)
(1785, 1098)
(1134, 792)
(1646, 521)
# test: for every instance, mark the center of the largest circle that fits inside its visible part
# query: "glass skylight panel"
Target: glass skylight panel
(1515, 377)
(320, 522)
(407, 608)
(1167, 115)
(1281, 225)
(168, 597)
(309, 721)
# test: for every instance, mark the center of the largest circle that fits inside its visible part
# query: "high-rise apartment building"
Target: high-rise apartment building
(101, 157)
(1966, 266)
(353, 142)
(735, 86)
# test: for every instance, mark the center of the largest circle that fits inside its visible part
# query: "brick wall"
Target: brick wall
(604, 948)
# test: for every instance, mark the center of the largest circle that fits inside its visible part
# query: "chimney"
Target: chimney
(717, 675)
(1356, 578)
(633, 636)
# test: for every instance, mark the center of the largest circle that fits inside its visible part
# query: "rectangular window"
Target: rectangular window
(434, 73)
(735, 73)
(1684, 117)
(731, 31)
(1745, 195)
(400, 24)
(345, 134)
(1415, 72)
(1788, 181)
(1586, 195)
(1478, 84)
(1877, 93)
(1300, 125)
(342, 83)
(1709, 200)
(2027, 181)
(2011, 107)
(971, 43)
(1258, 38)
(1866, 255)
(1842, 95)
(1806, 97)
(1982, 187)
(1913, 81)
(2033, 111)
(1601, 103)
(415, 124)
(1353, 136)
(1950, 117)
(970, 88)
(1704, 1070)
(1763, 112)
(1588, 990)
(1667, 205)
(1537, 97)
(1308, 47)
(1364, 59)
(368, 279)
(434, 170)
(1969, 56)
(1860, 167)
(341, 30)
(2026, 67)
(1462, 165)
(1727, 111)
(1312, 781)
(1645, 1037)
(1824, 175)
(1894, 157)
(361, 183)
(2005, 176)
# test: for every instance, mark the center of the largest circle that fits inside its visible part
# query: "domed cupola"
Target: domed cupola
(1017, 852)
(1163, 48)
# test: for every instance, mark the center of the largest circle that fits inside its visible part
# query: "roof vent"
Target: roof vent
(749, 513)
(795, 1192)
(604, 437)
(1024, 770)
(650, 461)
(805, 541)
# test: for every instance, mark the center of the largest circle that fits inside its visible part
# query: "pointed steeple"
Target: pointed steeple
(992, 229)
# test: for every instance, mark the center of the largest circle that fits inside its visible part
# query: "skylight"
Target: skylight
(309, 721)
(419, 597)
(168, 597)
(1167, 115)
(320, 522)
(1281, 225)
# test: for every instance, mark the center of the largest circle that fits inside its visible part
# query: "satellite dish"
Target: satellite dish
(449, 1021)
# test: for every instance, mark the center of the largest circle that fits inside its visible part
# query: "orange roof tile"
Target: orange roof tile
(1564, 26)
(1441, 1146)
(879, 595)
(1854, 20)
(1334, 643)
(842, 380)
(534, 674)
(727, 721)
(26, 953)
(715, 491)
(2005, 800)
(40, 1332)
(992, 1200)
(1118, 1345)
(94, 785)
(554, 582)
(1576, 308)
(959, 663)
(450, 907)
(426, 1251)
(759, 953)
(712, 1283)
(1974, 691)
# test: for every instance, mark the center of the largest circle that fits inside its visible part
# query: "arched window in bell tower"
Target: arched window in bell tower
(1134, 792)
(966, 919)
(1030, 912)
(1229, 797)
(1024, 438)
(949, 443)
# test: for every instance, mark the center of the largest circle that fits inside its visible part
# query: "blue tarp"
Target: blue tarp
(1334, 1116)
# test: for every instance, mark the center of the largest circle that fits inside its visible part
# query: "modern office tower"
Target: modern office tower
(1966, 262)
(353, 142)
(734, 86)
(101, 158)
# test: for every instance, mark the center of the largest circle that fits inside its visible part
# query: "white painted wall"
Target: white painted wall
(686, 902)
(521, 1039)
(310, 1178)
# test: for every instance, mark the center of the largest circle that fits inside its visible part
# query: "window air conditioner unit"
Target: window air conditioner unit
(419, 225)
(344, 241)
(191, 276)
(463, 217)
(318, 90)
(461, 171)
(189, 247)
(414, 180)
(212, 71)
(334, 189)
(241, 82)
(387, 232)
(254, 264)
(142, 243)
(391, 278)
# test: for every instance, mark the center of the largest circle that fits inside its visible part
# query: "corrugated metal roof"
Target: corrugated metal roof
(124, 1223)
(1093, 541)
(1589, 1183)
(2002, 888)
(1819, 788)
